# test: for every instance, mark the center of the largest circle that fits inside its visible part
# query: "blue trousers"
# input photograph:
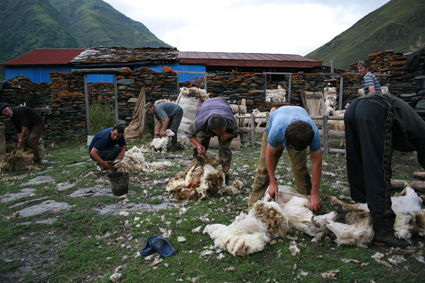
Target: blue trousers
(369, 148)
(110, 153)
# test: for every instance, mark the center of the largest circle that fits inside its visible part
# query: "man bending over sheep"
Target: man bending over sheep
(214, 118)
(26, 121)
(375, 125)
(107, 145)
(289, 127)
(169, 116)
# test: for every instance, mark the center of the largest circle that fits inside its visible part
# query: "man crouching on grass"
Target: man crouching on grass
(107, 145)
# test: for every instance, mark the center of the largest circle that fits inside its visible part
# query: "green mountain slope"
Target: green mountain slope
(30, 24)
(399, 25)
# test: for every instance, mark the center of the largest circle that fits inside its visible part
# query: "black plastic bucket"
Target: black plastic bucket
(119, 182)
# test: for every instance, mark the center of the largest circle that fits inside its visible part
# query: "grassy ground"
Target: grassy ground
(83, 245)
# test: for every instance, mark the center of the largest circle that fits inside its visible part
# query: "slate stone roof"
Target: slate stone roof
(101, 55)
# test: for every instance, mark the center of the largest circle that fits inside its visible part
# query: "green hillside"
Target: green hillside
(30, 24)
(398, 25)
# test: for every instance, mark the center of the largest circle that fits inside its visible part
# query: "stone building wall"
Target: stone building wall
(65, 93)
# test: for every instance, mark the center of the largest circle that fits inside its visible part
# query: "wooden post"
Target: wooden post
(252, 130)
(86, 98)
(116, 99)
(341, 91)
(325, 135)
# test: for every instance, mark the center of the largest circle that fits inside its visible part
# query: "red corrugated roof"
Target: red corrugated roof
(245, 59)
(46, 57)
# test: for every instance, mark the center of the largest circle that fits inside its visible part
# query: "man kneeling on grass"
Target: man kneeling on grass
(107, 145)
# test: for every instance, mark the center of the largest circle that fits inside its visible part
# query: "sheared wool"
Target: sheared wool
(18, 159)
(159, 101)
(192, 92)
(250, 233)
(203, 178)
(134, 161)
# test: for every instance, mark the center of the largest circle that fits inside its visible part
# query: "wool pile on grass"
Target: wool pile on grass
(19, 159)
(250, 233)
(134, 161)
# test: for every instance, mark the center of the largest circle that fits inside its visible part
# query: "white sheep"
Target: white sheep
(410, 218)
(337, 124)
(258, 121)
(276, 95)
(203, 178)
(358, 230)
(297, 208)
(161, 144)
(134, 161)
(250, 233)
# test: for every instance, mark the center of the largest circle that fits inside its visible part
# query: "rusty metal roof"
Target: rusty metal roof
(45, 57)
(247, 59)
(116, 55)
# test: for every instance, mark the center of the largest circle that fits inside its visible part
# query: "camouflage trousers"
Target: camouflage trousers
(262, 179)
(224, 151)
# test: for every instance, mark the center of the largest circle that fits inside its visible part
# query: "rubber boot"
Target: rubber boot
(226, 179)
(173, 146)
(384, 233)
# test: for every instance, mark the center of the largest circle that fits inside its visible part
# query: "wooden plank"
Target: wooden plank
(419, 175)
(399, 185)
(252, 130)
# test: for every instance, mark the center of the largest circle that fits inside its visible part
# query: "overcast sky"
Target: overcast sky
(249, 26)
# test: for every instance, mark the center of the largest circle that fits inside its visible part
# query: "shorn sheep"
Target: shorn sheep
(297, 209)
(250, 233)
(269, 220)
(203, 178)
(161, 144)
(410, 219)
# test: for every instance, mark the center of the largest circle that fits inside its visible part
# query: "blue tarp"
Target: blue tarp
(38, 74)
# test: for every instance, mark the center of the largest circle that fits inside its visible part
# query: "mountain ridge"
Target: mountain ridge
(397, 26)
(32, 24)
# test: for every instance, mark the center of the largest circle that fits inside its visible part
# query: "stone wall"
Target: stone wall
(65, 93)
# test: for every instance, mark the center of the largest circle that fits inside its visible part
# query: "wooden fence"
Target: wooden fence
(324, 132)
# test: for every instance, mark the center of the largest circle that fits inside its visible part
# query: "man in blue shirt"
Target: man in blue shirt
(107, 145)
(169, 115)
(289, 127)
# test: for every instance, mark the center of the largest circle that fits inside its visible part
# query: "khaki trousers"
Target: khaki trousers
(262, 179)
(33, 139)
(224, 151)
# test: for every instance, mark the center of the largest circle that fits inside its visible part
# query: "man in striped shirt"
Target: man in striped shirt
(371, 83)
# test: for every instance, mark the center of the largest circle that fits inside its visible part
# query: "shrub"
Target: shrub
(102, 116)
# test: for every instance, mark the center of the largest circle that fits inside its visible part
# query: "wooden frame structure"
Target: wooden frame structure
(85, 72)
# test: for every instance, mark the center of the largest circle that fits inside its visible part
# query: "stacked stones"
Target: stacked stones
(65, 93)
(389, 67)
